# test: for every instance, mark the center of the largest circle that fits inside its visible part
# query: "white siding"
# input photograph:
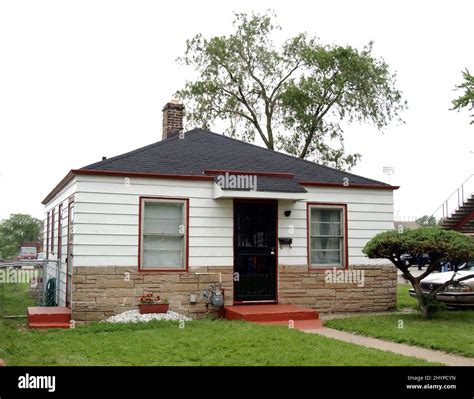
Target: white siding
(53, 206)
(106, 221)
(369, 212)
(106, 224)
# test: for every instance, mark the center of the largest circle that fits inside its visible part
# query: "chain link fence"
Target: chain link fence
(28, 283)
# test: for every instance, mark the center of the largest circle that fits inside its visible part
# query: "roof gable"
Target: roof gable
(201, 150)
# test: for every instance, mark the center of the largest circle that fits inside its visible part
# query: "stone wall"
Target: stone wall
(99, 292)
(298, 286)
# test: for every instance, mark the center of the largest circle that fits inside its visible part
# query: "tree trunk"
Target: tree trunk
(423, 301)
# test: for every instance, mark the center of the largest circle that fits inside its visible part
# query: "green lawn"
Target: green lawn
(14, 299)
(202, 342)
(450, 331)
(404, 300)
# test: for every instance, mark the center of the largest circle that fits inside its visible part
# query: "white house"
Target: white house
(198, 207)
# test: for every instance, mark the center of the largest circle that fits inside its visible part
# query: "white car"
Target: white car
(457, 294)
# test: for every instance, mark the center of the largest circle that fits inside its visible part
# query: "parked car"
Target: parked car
(41, 256)
(457, 294)
(27, 253)
(410, 260)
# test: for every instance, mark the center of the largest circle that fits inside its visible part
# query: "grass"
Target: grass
(450, 331)
(14, 299)
(404, 300)
(203, 342)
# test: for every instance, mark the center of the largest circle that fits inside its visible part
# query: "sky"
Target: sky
(82, 80)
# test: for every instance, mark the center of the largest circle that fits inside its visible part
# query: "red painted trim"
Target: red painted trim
(308, 238)
(141, 174)
(47, 234)
(234, 249)
(52, 231)
(60, 215)
(58, 188)
(249, 172)
(350, 185)
(140, 206)
(464, 220)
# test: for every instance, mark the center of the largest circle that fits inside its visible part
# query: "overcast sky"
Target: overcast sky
(84, 79)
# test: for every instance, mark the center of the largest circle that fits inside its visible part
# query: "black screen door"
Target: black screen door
(255, 251)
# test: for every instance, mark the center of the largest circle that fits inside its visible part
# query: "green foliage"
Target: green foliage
(466, 100)
(437, 243)
(339, 83)
(294, 96)
(16, 229)
(427, 221)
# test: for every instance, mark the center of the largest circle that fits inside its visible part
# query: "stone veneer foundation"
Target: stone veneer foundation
(99, 292)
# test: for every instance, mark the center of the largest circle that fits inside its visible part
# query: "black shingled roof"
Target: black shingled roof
(202, 150)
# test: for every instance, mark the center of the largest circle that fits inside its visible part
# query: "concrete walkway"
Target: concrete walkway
(402, 349)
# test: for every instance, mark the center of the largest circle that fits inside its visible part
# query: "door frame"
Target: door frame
(234, 248)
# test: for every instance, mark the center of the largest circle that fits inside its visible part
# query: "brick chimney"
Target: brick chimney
(173, 113)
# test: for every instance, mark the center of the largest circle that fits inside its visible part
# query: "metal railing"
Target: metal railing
(455, 200)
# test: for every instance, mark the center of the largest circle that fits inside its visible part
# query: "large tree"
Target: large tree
(437, 243)
(293, 96)
(427, 220)
(466, 100)
(16, 229)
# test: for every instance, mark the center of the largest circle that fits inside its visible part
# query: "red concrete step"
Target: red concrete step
(49, 317)
(296, 324)
(269, 313)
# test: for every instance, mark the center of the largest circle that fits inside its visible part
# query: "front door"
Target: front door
(255, 259)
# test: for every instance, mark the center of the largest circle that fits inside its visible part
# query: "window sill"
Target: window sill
(161, 270)
(317, 269)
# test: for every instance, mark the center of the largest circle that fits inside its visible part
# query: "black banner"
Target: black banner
(447, 382)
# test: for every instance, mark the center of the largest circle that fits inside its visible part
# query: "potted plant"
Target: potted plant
(150, 304)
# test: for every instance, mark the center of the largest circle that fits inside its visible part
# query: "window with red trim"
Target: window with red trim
(163, 234)
(327, 237)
